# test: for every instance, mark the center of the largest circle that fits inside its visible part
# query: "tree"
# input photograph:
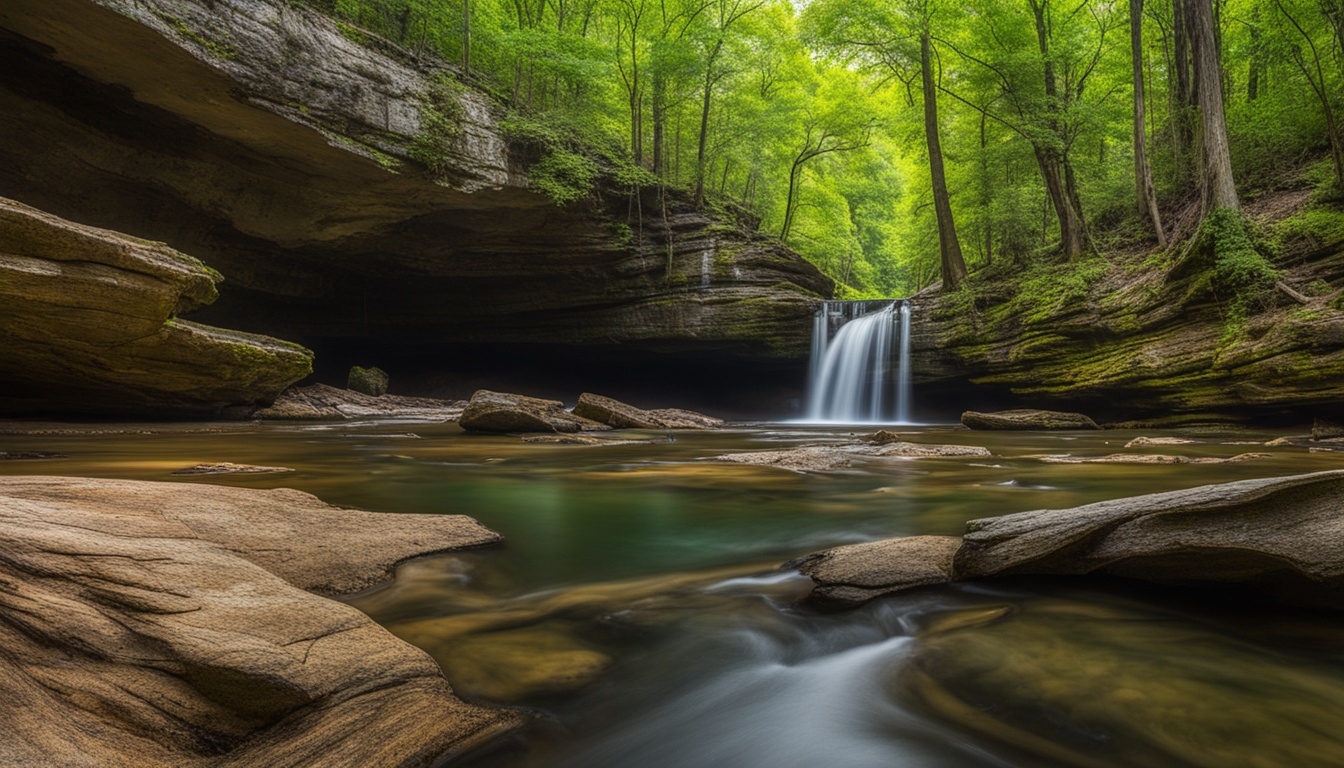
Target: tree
(1216, 184)
(1143, 172)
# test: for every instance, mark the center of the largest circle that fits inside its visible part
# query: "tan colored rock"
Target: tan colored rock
(500, 412)
(229, 468)
(321, 402)
(924, 451)
(852, 575)
(1284, 534)
(620, 415)
(89, 321)
(1139, 442)
(884, 436)
(514, 665)
(1153, 458)
(151, 625)
(824, 458)
(1026, 419)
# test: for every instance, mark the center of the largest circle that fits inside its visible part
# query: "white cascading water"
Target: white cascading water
(851, 376)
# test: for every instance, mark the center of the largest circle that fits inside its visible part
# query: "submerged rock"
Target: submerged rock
(500, 412)
(822, 458)
(90, 321)
(320, 402)
(229, 468)
(576, 439)
(157, 625)
(616, 414)
(852, 575)
(1153, 458)
(367, 381)
(30, 455)
(1027, 419)
(1139, 442)
(513, 665)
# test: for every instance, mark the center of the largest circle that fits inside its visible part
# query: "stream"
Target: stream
(637, 610)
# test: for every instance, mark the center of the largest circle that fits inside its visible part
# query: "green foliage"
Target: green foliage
(563, 176)
(1241, 275)
(441, 116)
(1046, 290)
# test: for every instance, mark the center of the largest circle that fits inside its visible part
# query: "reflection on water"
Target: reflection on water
(635, 608)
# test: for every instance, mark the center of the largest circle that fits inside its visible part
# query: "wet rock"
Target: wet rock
(1285, 535)
(1281, 441)
(511, 666)
(576, 439)
(150, 625)
(883, 436)
(1153, 458)
(320, 402)
(852, 575)
(1026, 419)
(1140, 442)
(90, 322)
(500, 412)
(29, 455)
(616, 414)
(823, 458)
(228, 468)
(367, 381)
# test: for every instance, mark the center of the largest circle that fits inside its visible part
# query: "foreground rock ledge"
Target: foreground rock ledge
(165, 624)
(1282, 536)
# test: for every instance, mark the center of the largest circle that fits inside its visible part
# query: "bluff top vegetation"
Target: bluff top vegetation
(894, 142)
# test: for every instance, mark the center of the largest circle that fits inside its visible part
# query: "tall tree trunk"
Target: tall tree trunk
(1057, 177)
(952, 264)
(704, 124)
(659, 122)
(1146, 196)
(1217, 186)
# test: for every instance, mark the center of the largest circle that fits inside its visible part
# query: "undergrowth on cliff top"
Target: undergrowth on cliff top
(1241, 275)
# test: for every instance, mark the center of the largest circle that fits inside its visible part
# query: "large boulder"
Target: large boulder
(90, 320)
(1027, 418)
(500, 412)
(322, 402)
(852, 575)
(150, 625)
(1283, 537)
(367, 381)
(616, 414)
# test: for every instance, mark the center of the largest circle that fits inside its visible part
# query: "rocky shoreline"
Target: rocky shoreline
(160, 624)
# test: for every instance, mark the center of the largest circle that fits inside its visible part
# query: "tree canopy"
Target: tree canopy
(890, 140)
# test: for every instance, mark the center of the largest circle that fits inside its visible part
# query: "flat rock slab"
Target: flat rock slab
(501, 412)
(852, 575)
(321, 402)
(1153, 458)
(620, 415)
(166, 624)
(1027, 419)
(825, 458)
(1140, 442)
(589, 440)
(228, 468)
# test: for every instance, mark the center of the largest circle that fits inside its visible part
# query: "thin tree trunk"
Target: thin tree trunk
(1143, 172)
(1054, 167)
(704, 123)
(952, 264)
(659, 121)
(1257, 56)
(1216, 174)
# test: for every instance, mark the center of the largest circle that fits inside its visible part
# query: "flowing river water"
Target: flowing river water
(638, 612)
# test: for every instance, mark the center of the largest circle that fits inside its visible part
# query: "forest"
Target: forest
(892, 142)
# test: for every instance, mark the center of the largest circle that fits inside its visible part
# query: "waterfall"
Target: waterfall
(853, 377)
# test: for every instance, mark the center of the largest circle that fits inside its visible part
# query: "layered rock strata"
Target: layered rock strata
(90, 319)
(166, 624)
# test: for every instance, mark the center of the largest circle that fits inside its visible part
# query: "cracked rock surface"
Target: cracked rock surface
(166, 624)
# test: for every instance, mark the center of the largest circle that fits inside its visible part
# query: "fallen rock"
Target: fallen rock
(616, 414)
(1139, 442)
(883, 436)
(165, 624)
(500, 412)
(1322, 429)
(229, 468)
(1285, 534)
(27, 455)
(1153, 458)
(90, 322)
(1027, 419)
(852, 575)
(822, 458)
(367, 381)
(320, 402)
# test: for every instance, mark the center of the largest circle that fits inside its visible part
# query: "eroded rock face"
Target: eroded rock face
(500, 412)
(158, 624)
(320, 402)
(616, 414)
(89, 319)
(255, 136)
(1026, 419)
